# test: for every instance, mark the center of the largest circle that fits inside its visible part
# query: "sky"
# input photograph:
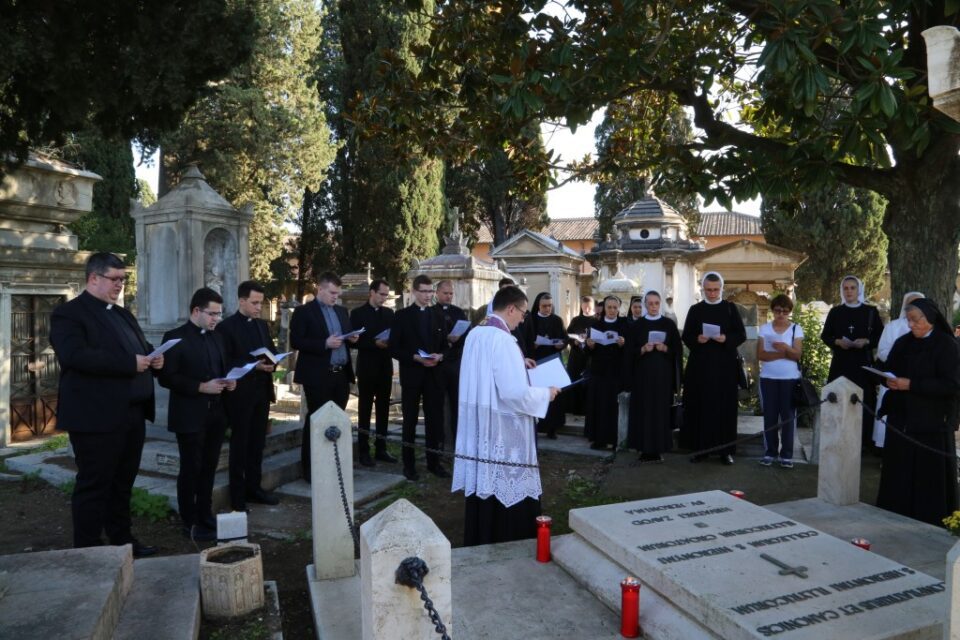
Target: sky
(573, 200)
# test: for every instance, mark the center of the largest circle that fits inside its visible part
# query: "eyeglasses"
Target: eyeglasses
(782, 311)
(114, 280)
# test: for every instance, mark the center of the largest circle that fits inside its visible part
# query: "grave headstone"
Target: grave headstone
(332, 538)
(951, 630)
(390, 610)
(745, 572)
(623, 417)
(838, 480)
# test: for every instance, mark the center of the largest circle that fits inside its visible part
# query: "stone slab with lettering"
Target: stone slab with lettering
(702, 552)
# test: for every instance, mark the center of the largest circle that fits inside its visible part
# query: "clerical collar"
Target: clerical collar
(543, 316)
(929, 333)
(109, 306)
(609, 320)
(445, 307)
(656, 317)
(717, 301)
(852, 305)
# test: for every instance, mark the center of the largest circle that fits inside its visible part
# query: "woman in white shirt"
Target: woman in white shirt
(779, 348)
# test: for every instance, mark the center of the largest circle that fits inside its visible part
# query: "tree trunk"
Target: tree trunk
(922, 223)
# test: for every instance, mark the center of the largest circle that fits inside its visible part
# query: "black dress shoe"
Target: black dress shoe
(141, 550)
(383, 456)
(411, 475)
(439, 471)
(262, 497)
(727, 459)
(365, 459)
(199, 533)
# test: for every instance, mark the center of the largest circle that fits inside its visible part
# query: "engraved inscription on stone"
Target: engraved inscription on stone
(746, 572)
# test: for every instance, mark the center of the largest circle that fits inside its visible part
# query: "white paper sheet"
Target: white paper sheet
(711, 330)
(353, 333)
(425, 355)
(383, 335)
(238, 372)
(768, 344)
(460, 328)
(574, 336)
(885, 374)
(544, 341)
(272, 357)
(164, 348)
(657, 337)
(604, 337)
(847, 342)
(549, 374)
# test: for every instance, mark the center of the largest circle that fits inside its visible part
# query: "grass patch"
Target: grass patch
(407, 490)
(59, 441)
(579, 493)
(67, 487)
(153, 507)
(251, 629)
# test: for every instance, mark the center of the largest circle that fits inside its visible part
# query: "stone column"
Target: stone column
(623, 417)
(838, 481)
(951, 630)
(390, 610)
(332, 538)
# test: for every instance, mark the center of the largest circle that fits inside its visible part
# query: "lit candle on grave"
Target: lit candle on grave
(630, 607)
(543, 538)
(736, 493)
(863, 543)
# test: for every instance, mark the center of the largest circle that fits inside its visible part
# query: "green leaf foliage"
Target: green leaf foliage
(260, 136)
(128, 68)
(840, 230)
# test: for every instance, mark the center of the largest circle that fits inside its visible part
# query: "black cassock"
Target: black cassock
(550, 327)
(854, 323)
(915, 482)
(710, 381)
(652, 378)
(606, 382)
(577, 363)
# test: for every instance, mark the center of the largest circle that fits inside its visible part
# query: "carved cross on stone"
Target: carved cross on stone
(785, 569)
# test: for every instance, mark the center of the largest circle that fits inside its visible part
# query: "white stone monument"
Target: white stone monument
(838, 481)
(333, 541)
(744, 572)
(390, 610)
(951, 630)
(943, 68)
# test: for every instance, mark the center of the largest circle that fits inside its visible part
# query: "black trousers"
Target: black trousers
(451, 390)
(428, 387)
(199, 455)
(487, 521)
(336, 387)
(372, 389)
(248, 436)
(107, 465)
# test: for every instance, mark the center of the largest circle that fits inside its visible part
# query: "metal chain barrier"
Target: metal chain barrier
(442, 452)
(333, 435)
(410, 573)
(831, 397)
(902, 434)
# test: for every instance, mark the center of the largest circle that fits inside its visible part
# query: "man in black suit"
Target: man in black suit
(248, 407)
(323, 363)
(450, 367)
(374, 372)
(418, 328)
(105, 394)
(194, 374)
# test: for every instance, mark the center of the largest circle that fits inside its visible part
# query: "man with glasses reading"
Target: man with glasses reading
(248, 407)
(194, 374)
(105, 395)
(417, 342)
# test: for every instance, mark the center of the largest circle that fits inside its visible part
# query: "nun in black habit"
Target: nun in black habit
(606, 380)
(921, 403)
(653, 357)
(712, 331)
(575, 397)
(543, 323)
(852, 330)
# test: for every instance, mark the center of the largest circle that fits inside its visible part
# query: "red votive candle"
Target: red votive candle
(543, 538)
(863, 543)
(736, 493)
(630, 607)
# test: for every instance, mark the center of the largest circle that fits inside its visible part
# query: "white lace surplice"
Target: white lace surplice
(496, 411)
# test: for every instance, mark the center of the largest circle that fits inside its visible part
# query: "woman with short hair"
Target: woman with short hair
(779, 348)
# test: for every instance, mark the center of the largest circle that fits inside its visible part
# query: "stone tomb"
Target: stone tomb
(743, 571)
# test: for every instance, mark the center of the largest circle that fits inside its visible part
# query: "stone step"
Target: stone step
(64, 594)
(162, 456)
(164, 602)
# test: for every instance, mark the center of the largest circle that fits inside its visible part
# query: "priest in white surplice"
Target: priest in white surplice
(496, 422)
